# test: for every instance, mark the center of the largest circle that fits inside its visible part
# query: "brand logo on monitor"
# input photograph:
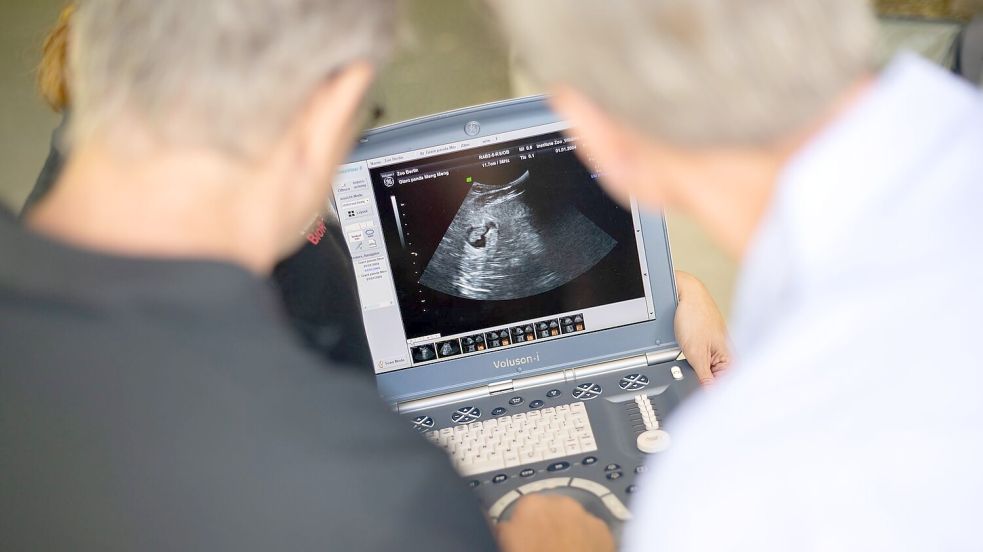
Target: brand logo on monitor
(472, 128)
(514, 362)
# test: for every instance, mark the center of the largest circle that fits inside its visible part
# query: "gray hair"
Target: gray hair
(225, 74)
(699, 73)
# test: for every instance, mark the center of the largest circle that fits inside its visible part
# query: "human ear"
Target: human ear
(319, 138)
(327, 127)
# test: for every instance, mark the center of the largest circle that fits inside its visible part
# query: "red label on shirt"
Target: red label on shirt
(316, 231)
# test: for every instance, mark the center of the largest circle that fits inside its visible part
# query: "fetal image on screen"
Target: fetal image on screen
(509, 242)
(477, 241)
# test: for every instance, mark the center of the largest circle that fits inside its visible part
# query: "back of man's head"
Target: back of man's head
(225, 74)
(699, 72)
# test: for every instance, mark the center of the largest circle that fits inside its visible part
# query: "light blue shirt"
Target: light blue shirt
(853, 419)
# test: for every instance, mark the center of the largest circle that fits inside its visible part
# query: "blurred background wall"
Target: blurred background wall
(451, 58)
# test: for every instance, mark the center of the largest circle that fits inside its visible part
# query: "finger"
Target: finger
(700, 361)
(720, 367)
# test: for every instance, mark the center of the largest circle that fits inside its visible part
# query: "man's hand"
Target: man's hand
(700, 328)
(543, 523)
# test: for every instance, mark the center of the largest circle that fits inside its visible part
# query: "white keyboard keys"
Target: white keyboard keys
(524, 438)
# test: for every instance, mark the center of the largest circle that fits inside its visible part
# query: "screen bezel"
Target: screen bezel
(570, 352)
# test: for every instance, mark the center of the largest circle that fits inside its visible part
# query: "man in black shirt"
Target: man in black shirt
(152, 396)
(151, 404)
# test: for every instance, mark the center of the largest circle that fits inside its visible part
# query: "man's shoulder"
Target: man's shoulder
(242, 427)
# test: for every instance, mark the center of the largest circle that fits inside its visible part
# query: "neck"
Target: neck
(173, 205)
(734, 200)
(737, 186)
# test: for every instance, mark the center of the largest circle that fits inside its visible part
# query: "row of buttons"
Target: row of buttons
(551, 394)
(613, 471)
(584, 392)
(469, 414)
(529, 472)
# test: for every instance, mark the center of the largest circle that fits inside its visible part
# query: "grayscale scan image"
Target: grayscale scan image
(504, 244)
(505, 233)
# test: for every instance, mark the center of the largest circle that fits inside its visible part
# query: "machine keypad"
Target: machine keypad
(489, 438)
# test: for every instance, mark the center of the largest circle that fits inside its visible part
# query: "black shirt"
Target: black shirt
(165, 405)
(317, 283)
(317, 286)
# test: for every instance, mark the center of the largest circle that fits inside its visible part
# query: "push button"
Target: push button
(639, 469)
(500, 478)
(614, 475)
(423, 423)
(612, 467)
(588, 461)
(528, 472)
(631, 489)
(474, 483)
(536, 404)
(552, 393)
(498, 411)
(653, 441)
(515, 401)
(633, 382)
(558, 466)
(587, 391)
(465, 415)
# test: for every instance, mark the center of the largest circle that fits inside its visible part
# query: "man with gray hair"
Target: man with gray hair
(853, 419)
(152, 396)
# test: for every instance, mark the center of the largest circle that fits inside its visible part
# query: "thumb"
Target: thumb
(699, 358)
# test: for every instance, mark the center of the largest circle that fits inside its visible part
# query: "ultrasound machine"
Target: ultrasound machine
(517, 317)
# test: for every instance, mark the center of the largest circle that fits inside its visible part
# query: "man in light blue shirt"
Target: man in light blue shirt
(853, 418)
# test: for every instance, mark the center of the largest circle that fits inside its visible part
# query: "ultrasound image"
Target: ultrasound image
(504, 244)
(424, 353)
(478, 244)
(449, 348)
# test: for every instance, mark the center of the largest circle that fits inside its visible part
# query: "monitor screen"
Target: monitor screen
(466, 248)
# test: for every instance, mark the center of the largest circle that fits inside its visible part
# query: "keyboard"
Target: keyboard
(517, 440)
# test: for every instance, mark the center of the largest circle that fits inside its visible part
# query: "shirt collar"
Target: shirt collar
(854, 167)
(38, 267)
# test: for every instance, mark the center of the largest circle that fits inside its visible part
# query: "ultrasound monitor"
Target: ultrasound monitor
(509, 301)
(482, 242)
